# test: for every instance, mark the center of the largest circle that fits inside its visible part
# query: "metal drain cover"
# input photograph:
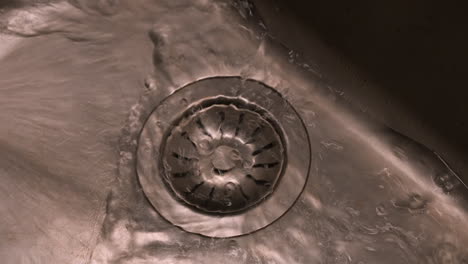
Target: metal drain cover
(220, 157)
(223, 158)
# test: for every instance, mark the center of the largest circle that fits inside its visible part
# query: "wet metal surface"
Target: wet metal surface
(88, 100)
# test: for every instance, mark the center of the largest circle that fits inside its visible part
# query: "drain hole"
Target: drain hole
(180, 157)
(221, 172)
(265, 165)
(203, 128)
(186, 136)
(181, 174)
(266, 147)
(194, 189)
(253, 135)
(246, 197)
(239, 123)
(259, 182)
(222, 117)
(210, 196)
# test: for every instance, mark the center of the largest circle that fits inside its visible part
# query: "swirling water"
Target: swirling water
(70, 73)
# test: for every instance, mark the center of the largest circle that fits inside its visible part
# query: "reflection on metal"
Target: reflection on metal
(226, 155)
(77, 187)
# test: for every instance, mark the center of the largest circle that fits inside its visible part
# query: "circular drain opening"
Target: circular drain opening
(223, 156)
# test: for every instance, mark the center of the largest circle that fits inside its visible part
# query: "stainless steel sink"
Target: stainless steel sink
(190, 132)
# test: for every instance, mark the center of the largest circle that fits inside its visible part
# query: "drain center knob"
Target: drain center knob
(224, 158)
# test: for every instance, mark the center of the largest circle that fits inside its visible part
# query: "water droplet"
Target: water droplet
(416, 202)
(371, 249)
(353, 211)
(381, 211)
(150, 83)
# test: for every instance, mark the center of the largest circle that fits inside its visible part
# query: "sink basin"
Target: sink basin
(201, 132)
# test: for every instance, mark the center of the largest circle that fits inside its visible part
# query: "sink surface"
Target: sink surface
(200, 132)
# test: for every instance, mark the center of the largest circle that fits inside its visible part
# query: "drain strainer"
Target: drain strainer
(223, 157)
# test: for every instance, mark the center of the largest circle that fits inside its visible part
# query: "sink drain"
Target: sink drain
(223, 157)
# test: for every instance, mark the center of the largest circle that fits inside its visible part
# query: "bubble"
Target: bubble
(204, 145)
(381, 211)
(446, 182)
(353, 211)
(449, 186)
(150, 83)
(416, 202)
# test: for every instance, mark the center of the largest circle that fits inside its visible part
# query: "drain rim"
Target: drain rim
(259, 217)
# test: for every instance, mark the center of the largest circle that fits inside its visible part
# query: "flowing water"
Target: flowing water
(72, 76)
